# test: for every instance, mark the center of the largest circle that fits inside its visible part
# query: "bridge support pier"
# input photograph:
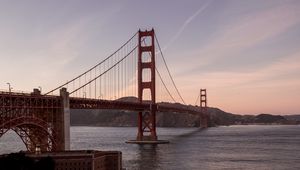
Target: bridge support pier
(147, 123)
(62, 123)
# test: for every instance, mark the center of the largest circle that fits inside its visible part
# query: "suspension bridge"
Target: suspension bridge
(133, 70)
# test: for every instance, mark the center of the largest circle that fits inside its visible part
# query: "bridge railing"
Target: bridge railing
(14, 91)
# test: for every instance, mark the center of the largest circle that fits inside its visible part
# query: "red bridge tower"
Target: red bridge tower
(146, 120)
(204, 118)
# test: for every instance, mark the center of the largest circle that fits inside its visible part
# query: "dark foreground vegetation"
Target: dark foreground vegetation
(19, 161)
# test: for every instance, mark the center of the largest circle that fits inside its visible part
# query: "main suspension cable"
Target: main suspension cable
(168, 70)
(160, 77)
(197, 99)
(105, 71)
(164, 85)
(94, 66)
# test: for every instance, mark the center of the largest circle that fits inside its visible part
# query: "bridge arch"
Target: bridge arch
(33, 131)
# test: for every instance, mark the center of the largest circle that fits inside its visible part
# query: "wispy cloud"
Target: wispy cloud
(186, 23)
(248, 31)
(261, 89)
(288, 65)
(50, 50)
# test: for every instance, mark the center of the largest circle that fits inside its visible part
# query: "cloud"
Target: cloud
(278, 71)
(246, 32)
(263, 89)
(185, 24)
(51, 48)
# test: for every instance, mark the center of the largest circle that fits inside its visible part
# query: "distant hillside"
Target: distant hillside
(295, 118)
(128, 118)
(122, 118)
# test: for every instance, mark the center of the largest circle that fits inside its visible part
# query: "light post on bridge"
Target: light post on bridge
(9, 87)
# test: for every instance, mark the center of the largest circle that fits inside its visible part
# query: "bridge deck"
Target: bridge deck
(11, 100)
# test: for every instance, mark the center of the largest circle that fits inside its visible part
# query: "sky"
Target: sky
(245, 53)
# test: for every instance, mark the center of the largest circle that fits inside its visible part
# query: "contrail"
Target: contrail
(185, 24)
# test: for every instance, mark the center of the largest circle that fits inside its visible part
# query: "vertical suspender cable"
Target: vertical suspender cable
(168, 70)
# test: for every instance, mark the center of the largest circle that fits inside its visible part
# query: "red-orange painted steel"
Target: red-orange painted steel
(204, 118)
(32, 117)
(146, 120)
(38, 119)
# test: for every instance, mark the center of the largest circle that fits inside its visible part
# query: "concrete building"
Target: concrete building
(83, 159)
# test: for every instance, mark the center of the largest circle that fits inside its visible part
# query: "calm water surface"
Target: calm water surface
(233, 147)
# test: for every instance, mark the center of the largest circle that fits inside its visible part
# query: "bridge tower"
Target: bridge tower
(203, 107)
(146, 120)
(62, 122)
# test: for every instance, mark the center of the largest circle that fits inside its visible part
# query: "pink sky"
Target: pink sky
(245, 53)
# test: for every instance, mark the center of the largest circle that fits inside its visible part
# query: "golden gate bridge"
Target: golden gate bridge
(43, 120)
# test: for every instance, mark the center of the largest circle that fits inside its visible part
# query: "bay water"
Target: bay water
(252, 147)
